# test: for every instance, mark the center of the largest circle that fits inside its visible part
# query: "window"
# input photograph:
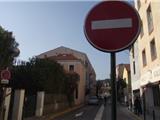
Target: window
(142, 31)
(134, 67)
(144, 58)
(45, 56)
(153, 50)
(149, 19)
(71, 67)
(138, 4)
(133, 52)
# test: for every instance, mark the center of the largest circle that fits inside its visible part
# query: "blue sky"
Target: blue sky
(41, 26)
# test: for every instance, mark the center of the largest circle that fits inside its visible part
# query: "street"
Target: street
(99, 112)
(87, 112)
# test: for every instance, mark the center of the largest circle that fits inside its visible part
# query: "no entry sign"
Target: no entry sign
(5, 76)
(112, 26)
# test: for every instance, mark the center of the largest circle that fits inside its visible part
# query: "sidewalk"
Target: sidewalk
(147, 116)
(140, 117)
(52, 116)
(123, 113)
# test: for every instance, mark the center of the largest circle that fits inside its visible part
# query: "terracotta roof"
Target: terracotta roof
(64, 57)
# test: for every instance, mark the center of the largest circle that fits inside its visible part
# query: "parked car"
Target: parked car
(93, 100)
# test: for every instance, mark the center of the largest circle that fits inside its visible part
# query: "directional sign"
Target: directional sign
(112, 26)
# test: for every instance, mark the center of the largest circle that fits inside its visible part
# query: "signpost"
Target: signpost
(4, 80)
(5, 76)
(112, 26)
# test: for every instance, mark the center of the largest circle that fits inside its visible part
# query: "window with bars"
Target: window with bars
(133, 52)
(149, 19)
(144, 60)
(134, 67)
(71, 68)
(153, 50)
(138, 4)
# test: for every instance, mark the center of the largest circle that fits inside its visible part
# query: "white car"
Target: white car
(93, 100)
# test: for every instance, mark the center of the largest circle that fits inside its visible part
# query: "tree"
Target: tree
(37, 75)
(99, 85)
(8, 52)
(8, 48)
(71, 86)
(121, 84)
(45, 75)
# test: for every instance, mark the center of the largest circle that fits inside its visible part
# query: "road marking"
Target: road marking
(99, 113)
(79, 114)
(110, 24)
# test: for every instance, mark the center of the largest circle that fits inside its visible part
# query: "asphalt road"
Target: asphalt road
(87, 112)
(98, 112)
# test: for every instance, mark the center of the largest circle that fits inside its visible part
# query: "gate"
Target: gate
(29, 106)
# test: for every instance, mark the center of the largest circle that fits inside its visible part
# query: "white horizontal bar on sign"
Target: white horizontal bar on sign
(110, 24)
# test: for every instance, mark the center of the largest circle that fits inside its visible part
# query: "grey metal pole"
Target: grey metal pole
(2, 104)
(113, 86)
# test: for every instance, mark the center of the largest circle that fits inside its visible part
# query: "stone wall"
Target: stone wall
(54, 103)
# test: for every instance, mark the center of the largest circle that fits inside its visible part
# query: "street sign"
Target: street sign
(112, 26)
(4, 81)
(5, 76)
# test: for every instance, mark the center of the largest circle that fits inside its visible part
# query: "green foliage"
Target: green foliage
(99, 84)
(44, 75)
(39, 74)
(121, 84)
(71, 85)
(8, 47)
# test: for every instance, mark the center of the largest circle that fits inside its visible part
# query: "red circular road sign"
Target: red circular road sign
(112, 26)
(5, 74)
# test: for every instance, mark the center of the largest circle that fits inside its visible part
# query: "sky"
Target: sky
(40, 26)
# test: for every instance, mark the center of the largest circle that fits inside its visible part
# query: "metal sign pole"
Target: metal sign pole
(2, 104)
(113, 85)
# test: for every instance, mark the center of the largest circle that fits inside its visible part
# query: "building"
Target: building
(135, 70)
(123, 73)
(147, 48)
(76, 61)
(104, 87)
(119, 70)
(127, 79)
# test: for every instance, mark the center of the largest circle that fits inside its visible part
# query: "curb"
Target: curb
(63, 112)
(135, 116)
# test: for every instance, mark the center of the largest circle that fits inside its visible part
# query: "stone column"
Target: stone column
(18, 104)
(40, 103)
(7, 102)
